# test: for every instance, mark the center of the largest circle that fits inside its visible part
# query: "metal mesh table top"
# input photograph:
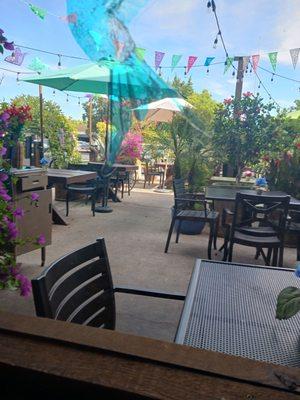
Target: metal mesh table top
(230, 308)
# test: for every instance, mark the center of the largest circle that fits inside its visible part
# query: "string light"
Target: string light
(18, 78)
(53, 93)
(272, 79)
(59, 61)
(67, 99)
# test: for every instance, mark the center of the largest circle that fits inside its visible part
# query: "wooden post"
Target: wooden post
(240, 77)
(41, 119)
(90, 127)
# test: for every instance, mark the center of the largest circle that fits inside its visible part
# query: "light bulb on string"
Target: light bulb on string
(185, 71)
(18, 78)
(207, 71)
(233, 73)
(209, 4)
(59, 61)
(67, 100)
(159, 71)
(53, 93)
(79, 103)
(215, 42)
(272, 79)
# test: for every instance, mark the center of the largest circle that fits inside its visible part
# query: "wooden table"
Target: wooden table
(228, 194)
(117, 166)
(230, 308)
(66, 177)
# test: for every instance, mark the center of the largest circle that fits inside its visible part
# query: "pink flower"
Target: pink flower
(3, 176)
(18, 213)
(41, 240)
(5, 116)
(247, 94)
(3, 151)
(34, 196)
(12, 230)
(4, 195)
(228, 101)
(25, 285)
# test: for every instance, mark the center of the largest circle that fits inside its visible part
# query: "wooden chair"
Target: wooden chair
(79, 288)
(182, 212)
(260, 222)
(150, 172)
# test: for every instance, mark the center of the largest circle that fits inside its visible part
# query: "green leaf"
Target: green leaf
(288, 303)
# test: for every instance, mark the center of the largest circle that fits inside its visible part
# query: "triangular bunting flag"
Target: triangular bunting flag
(273, 59)
(208, 61)
(140, 53)
(37, 65)
(255, 61)
(158, 58)
(294, 56)
(228, 63)
(175, 60)
(16, 58)
(191, 62)
(40, 12)
(70, 19)
(246, 60)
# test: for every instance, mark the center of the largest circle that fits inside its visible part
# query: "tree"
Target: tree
(185, 89)
(54, 122)
(99, 111)
(244, 130)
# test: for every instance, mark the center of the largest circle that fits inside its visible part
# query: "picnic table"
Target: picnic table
(66, 177)
(230, 308)
(119, 167)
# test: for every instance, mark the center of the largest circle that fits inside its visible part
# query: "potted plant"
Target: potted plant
(288, 300)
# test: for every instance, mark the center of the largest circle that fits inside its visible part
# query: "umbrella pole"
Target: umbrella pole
(105, 177)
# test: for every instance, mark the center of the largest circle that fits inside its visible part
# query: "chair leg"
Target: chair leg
(216, 234)
(269, 255)
(257, 253)
(43, 256)
(229, 257)
(67, 203)
(170, 234)
(122, 189)
(93, 199)
(280, 260)
(178, 230)
(128, 185)
(145, 181)
(210, 240)
(275, 257)
(298, 248)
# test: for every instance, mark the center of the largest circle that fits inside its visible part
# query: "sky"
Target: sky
(184, 27)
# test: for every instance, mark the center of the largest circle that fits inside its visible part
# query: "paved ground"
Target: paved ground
(135, 235)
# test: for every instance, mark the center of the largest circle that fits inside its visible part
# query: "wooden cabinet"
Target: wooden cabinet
(38, 214)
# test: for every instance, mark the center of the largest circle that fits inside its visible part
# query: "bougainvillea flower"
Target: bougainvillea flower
(247, 94)
(34, 196)
(277, 163)
(4, 195)
(297, 145)
(5, 116)
(3, 176)
(3, 151)
(12, 230)
(41, 240)
(266, 158)
(25, 285)
(228, 101)
(19, 212)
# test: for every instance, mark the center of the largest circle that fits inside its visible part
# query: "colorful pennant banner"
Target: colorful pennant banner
(140, 53)
(255, 61)
(191, 62)
(246, 60)
(273, 59)
(175, 60)
(16, 57)
(228, 63)
(70, 19)
(158, 58)
(295, 56)
(40, 12)
(208, 61)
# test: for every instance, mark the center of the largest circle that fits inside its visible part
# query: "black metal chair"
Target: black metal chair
(293, 227)
(184, 201)
(79, 288)
(152, 171)
(260, 222)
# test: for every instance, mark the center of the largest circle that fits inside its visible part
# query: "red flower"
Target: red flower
(228, 101)
(266, 158)
(277, 163)
(247, 94)
(297, 145)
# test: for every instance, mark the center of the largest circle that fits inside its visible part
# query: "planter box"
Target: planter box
(189, 227)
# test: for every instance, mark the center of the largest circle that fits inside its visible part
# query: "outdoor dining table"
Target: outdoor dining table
(66, 177)
(225, 193)
(230, 308)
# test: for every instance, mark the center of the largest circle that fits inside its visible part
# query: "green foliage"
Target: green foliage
(99, 111)
(185, 89)
(288, 303)
(244, 130)
(54, 122)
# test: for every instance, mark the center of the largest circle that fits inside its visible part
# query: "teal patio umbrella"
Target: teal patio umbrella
(127, 86)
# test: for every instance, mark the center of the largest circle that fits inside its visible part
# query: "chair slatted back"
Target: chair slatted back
(260, 211)
(180, 192)
(78, 288)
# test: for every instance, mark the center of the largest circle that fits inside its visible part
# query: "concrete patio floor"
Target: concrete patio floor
(135, 235)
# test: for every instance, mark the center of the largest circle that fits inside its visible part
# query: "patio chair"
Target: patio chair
(260, 222)
(89, 188)
(293, 227)
(78, 288)
(184, 201)
(150, 172)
